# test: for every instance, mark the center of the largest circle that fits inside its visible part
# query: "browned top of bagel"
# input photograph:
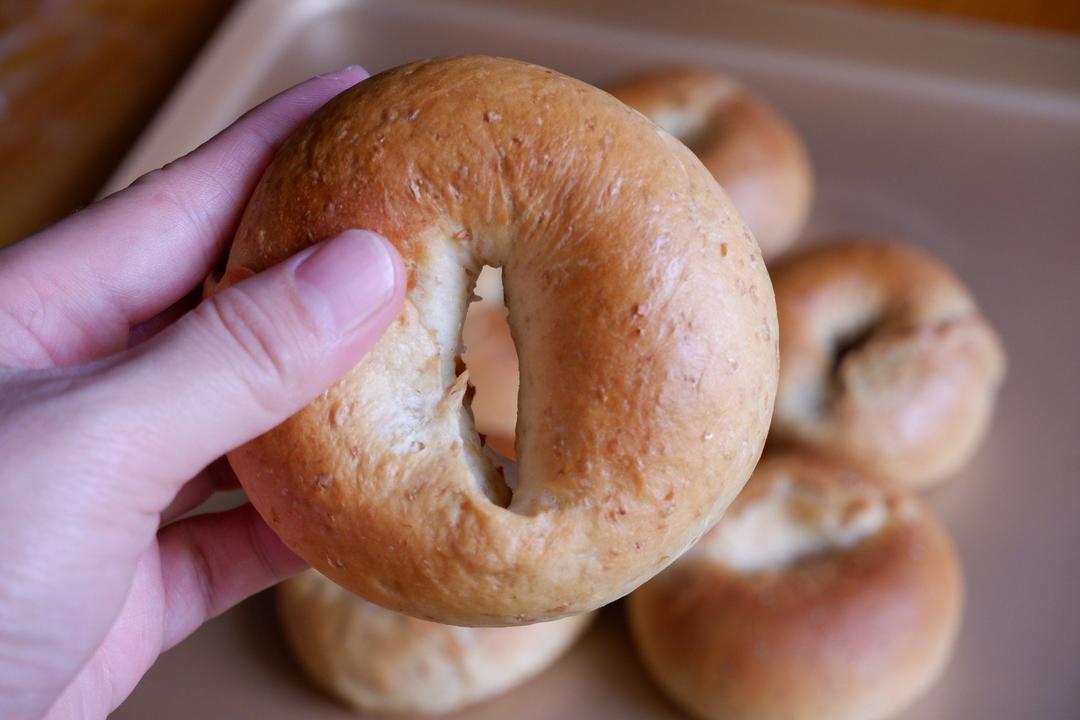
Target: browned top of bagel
(822, 593)
(752, 151)
(641, 311)
(885, 359)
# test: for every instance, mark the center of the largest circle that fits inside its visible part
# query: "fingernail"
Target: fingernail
(346, 280)
(350, 74)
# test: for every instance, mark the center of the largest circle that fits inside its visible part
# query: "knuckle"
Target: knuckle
(183, 189)
(24, 323)
(267, 356)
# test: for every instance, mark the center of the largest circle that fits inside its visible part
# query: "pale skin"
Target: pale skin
(120, 392)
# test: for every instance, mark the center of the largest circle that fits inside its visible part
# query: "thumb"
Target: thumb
(256, 352)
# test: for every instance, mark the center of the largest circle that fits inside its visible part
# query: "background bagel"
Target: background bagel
(640, 307)
(823, 593)
(885, 360)
(751, 150)
(378, 660)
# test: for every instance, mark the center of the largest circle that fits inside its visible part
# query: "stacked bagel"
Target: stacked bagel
(648, 335)
(829, 589)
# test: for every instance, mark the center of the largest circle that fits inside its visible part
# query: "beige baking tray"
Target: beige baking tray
(963, 139)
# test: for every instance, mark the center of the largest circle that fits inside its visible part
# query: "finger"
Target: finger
(71, 292)
(211, 562)
(217, 477)
(246, 358)
(130, 647)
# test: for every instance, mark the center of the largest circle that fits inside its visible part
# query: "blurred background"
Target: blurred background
(953, 125)
(79, 80)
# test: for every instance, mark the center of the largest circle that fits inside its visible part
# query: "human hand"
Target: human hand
(117, 399)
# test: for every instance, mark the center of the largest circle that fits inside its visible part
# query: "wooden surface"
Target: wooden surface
(80, 78)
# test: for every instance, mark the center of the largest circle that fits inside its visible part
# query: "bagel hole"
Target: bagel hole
(690, 128)
(490, 358)
(849, 342)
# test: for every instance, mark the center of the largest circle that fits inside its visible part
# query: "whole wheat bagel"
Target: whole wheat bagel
(382, 661)
(822, 593)
(885, 361)
(752, 151)
(642, 314)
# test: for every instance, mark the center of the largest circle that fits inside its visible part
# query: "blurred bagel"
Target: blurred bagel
(885, 360)
(381, 661)
(751, 150)
(823, 593)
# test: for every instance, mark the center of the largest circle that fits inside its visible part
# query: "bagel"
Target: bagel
(751, 150)
(823, 593)
(381, 661)
(885, 361)
(642, 314)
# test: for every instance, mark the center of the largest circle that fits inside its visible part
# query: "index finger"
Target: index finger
(71, 292)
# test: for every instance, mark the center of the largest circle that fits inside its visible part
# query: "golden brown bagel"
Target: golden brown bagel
(751, 150)
(382, 661)
(640, 307)
(822, 593)
(885, 360)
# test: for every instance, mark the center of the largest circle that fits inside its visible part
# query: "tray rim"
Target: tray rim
(954, 75)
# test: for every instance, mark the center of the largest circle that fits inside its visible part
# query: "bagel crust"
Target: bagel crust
(381, 661)
(752, 151)
(823, 593)
(885, 360)
(642, 314)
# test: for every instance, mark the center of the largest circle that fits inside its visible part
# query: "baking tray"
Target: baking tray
(963, 139)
